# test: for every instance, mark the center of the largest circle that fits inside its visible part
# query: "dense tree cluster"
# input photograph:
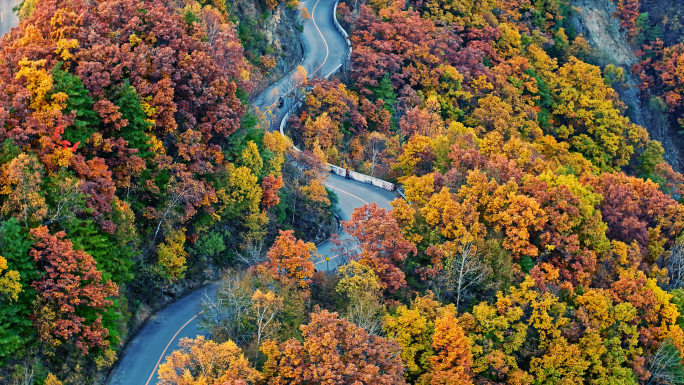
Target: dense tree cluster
(540, 240)
(128, 161)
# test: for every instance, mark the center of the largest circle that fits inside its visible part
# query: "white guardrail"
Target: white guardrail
(339, 170)
(335, 169)
(341, 30)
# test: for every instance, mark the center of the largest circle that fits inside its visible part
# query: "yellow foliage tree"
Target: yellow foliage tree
(204, 362)
(39, 83)
(356, 278)
(52, 380)
(10, 287)
(407, 161)
(411, 328)
(589, 118)
(251, 158)
(316, 195)
(276, 144)
(171, 254)
(244, 192)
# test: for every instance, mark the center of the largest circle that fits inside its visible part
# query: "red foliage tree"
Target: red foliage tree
(636, 210)
(382, 245)
(270, 186)
(71, 287)
(628, 11)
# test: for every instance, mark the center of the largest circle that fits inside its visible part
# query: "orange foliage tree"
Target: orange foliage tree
(291, 258)
(334, 351)
(200, 361)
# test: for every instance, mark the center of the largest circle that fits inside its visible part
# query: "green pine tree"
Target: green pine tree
(86, 121)
(15, 324)
(114, 261)
(128, 101)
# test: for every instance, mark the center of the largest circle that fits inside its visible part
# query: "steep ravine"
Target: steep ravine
(595, 21)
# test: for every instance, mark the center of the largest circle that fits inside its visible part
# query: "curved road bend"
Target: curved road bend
(8, 19)
(324, 50)
(160, 336)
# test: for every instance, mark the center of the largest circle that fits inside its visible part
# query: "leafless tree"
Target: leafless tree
(460, 274)
(293, 85)
(376, 145)
(183, 191)
(675, 266)
(366, 312)
(67, 197)
(23, 374)
(253, 252)
(226, 315)
(665, 366)
(265, 308)
(212, 23)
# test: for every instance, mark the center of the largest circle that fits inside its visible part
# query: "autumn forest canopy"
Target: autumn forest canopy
(539, 241)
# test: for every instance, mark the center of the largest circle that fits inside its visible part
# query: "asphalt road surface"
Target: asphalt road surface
(324, 50)
(8, 19)
(160, 336)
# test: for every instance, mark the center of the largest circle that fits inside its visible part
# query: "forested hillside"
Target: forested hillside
(130, 170)
(540, 240)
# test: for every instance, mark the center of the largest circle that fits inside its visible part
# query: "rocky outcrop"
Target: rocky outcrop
(594, 19)
(270, 32)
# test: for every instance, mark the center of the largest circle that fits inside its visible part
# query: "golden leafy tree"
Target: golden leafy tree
(589, 118)
(316, 196)
(321, 129)
(204, 362)
(10, 287)
(334, 351)
(21, 182)
(277, 145)
(412, 327)
(39, 82)
(171, 254)
(251, 159)
(52, 380)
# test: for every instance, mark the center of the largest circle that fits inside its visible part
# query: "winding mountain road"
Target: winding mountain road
(324, 51)
(325, 48)
(8, 19)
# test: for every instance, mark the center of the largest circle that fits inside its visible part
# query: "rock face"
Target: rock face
(596, 22)
(270, 32)
(281, 31)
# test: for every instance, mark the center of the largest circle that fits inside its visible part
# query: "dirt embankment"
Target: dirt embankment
(595, 21)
